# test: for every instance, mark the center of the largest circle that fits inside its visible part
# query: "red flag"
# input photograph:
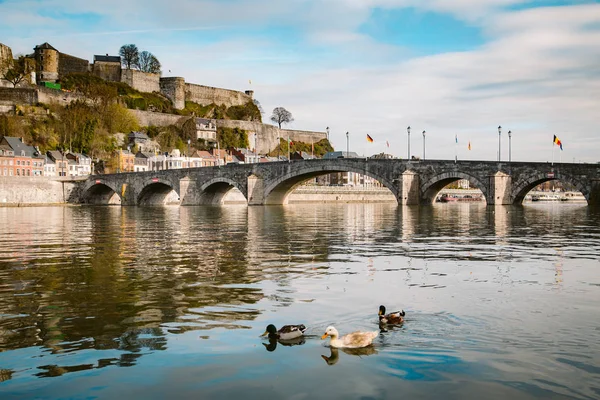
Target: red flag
(387, 143)
(369, 139)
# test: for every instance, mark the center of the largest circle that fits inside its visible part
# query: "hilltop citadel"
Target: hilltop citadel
(52, 66)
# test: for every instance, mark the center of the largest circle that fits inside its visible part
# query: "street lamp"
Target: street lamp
(408, 130)
(423, 145)
(509, 146)
(327, 130)
(499, 137)
(347, 144)
(188, 153)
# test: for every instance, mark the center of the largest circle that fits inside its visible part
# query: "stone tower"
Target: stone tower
(46, 58)
(174, 89)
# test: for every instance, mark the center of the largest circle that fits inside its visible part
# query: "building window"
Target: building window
(18, 162)
(18, 172)
(28, 172)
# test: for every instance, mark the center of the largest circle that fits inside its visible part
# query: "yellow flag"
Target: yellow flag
(469, 145)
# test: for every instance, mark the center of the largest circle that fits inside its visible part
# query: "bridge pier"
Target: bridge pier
(500, 188)
(188, 192)
(409, 195)
(256, 191)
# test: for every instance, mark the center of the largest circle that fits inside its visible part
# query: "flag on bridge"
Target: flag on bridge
(469, 146)
(369, 138)
(387, 144)
(557, 142)
(456, 138)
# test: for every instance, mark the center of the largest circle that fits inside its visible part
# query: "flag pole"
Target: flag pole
(552, 152)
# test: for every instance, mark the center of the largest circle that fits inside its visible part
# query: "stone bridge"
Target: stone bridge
(411, 182)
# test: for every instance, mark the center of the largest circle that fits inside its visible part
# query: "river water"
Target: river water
(110, 302)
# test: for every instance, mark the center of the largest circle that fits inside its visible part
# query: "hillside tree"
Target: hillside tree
(16, 71)
(130, 55)
(147, 62)
(281, 116)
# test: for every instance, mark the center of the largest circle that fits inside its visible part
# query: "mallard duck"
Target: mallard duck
(352, 340)
(286, 332)
(395, 317)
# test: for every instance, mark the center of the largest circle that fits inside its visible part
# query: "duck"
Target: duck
(352, 340)
(393, 318)
(286, 332)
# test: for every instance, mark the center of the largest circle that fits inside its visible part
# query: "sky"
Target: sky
(456, 69)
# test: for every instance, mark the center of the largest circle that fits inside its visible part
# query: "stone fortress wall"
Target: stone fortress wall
(52, 65)
(206, 95)
(109, 71)
(69, 64)
(142, 81)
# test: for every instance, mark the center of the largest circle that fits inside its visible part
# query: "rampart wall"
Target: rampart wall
(206, 95)
(142, 81)
(11, 96)
(68, 64)
(47, 95)
(149, 118)
(109, 71)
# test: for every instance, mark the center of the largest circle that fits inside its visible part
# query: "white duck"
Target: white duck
(352, 340)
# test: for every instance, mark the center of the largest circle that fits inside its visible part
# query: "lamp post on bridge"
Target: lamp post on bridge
(347, 144)
(408, 130)
(188, 153)
(499, 137)
(509, 146)
(423, 145)
(327, 130)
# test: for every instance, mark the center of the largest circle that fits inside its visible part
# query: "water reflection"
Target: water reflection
(335, 353)
(495, 294)
(288, 342)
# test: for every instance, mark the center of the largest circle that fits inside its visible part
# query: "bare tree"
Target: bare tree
(148, 63)
(130, 55)
(281, 116)
(16, 71)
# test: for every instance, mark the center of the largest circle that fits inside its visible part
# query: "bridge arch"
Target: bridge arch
(278, 190)
(213, 191)
(524, 186)
(432, 186)
(157, 191)
(100, 192)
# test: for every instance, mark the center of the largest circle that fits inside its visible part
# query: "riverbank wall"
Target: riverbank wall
(29, 191)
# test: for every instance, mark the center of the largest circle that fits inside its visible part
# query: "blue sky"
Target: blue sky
(450, 67)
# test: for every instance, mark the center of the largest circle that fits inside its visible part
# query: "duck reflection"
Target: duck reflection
(335, 353)
(287, 342)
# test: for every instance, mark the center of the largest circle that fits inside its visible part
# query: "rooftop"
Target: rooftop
(44, 45)
(107, 58)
